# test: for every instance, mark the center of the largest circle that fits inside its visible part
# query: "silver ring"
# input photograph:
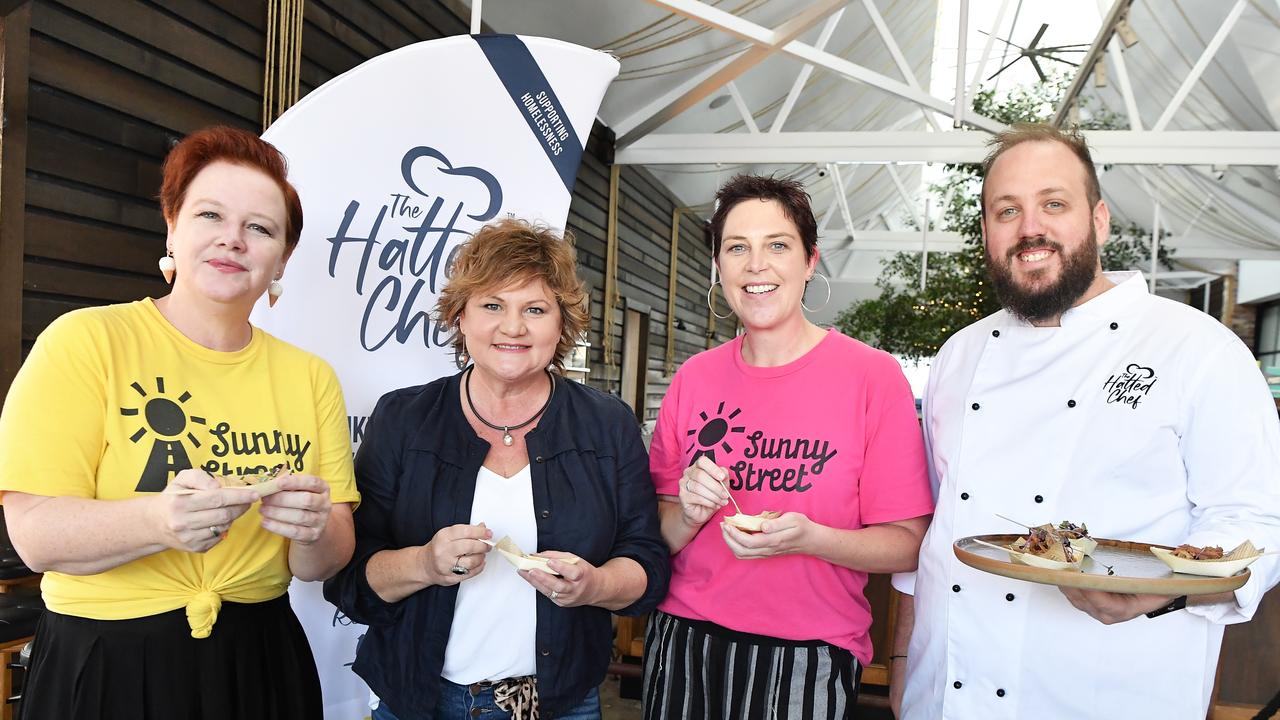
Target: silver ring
(688, 485)
(457, 568)
(215, 532)
(555, 594)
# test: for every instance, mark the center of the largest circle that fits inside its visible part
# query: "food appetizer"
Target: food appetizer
(264, 483)
(1046, 548)
(523, 560)
(1209, 560)
(1078, 535)
(751, 523)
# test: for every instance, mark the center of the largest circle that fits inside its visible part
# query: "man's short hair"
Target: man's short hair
(1019, 133)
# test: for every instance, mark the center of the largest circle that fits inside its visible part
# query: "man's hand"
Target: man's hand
(1111, 608)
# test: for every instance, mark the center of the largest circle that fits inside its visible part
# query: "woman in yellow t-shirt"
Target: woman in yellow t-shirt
(165, 583)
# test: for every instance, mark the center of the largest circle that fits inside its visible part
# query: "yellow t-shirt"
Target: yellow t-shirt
(114, 401)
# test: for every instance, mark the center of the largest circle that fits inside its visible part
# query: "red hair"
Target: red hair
(233, 145)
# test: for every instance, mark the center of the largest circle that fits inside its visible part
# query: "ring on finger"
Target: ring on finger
(688, 485)
(214, 531)
(555, 594)
(457, 568)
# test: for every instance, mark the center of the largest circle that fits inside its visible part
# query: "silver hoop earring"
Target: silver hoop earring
(824, 302)
(711, 303)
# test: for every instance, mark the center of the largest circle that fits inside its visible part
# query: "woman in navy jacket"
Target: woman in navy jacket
(506, 448)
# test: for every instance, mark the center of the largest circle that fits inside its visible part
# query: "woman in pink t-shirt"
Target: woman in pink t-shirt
(789, 418)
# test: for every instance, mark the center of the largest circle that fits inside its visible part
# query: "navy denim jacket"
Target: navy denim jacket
(416, 471)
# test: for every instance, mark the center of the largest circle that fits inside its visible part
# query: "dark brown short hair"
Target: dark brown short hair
(1019, 133)
(514, 252)
(233, 145)
(790, 194)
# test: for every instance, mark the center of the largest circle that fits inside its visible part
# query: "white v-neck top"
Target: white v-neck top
(495, 618)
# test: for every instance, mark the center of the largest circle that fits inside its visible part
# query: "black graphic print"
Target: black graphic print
(167, 419)
(712, 434)
(1131, 386)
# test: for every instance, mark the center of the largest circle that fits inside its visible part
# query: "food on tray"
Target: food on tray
(1191, 552)
(1210, 560)
(1045, 547)
(751, 523)
(1078, 535)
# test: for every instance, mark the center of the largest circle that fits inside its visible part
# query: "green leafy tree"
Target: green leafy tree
(913, 322)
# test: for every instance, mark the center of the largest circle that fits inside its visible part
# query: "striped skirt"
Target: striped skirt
(698, 670)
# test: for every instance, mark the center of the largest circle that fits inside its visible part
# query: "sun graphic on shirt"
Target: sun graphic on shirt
(165, 417)
(713, 434)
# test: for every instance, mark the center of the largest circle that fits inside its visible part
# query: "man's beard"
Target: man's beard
(1033, 304)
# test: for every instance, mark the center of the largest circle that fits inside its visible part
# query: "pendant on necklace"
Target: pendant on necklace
(506, 438)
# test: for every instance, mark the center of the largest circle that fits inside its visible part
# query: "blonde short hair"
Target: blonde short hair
(515, 252)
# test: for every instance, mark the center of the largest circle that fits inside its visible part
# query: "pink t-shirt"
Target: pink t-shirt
(832, 435)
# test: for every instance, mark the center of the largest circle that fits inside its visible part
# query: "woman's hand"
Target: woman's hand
(299, 511)
(195, 511)
(456, 546)
(788, 534)
(702, 491)
(580, 582)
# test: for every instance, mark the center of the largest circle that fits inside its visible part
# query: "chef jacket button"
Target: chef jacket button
(1071, 403)
(1008, 596)
(545, 652)
(546, 514)
(1115, 326)
(955, 588)
(975, 406)
(1039, 499)
(1000, 692)
(964, 496)
(957, 684)
(995, 333)
(538, 459)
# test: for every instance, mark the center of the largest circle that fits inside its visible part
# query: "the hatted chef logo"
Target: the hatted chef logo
(1131, 386)
(411, 267)
(168, 421)
(792, 462)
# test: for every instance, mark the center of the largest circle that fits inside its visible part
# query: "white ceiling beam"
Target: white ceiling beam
(1126, 88)
(962, 60)
(1118, 10)
(677, 99)
(842, 198)
(741, 104)
(1198, 69)
(1121, 147)
(896, 240)
(747, 30)
(907, 201)
(802, 78)
(986, 50)
(767, 42)
(898, 58)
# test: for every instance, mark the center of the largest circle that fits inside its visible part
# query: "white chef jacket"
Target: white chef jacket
(1142, 417)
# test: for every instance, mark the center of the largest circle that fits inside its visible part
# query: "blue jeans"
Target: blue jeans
(456, 703)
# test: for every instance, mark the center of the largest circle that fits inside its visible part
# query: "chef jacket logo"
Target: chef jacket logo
(396, 304)
(167, 419)
(714, 432)
(1131, 386)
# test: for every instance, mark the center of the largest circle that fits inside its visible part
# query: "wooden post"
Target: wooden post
(610, 274)
(671, 290)
(15, 40)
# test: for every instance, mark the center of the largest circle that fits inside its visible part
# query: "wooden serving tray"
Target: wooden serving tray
(1137, 570)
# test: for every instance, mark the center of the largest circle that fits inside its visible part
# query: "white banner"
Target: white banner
(397, 161)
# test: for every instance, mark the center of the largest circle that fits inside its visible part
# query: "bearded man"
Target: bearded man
(1084, 399)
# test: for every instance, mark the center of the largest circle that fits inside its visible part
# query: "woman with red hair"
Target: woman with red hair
(134, 446)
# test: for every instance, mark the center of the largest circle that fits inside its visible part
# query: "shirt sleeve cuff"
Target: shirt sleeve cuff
(905, 583)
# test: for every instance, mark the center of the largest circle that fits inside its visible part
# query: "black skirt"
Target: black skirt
(256, 664)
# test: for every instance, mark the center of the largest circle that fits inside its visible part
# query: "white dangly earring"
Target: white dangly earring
(274, 291)
(168, 267)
